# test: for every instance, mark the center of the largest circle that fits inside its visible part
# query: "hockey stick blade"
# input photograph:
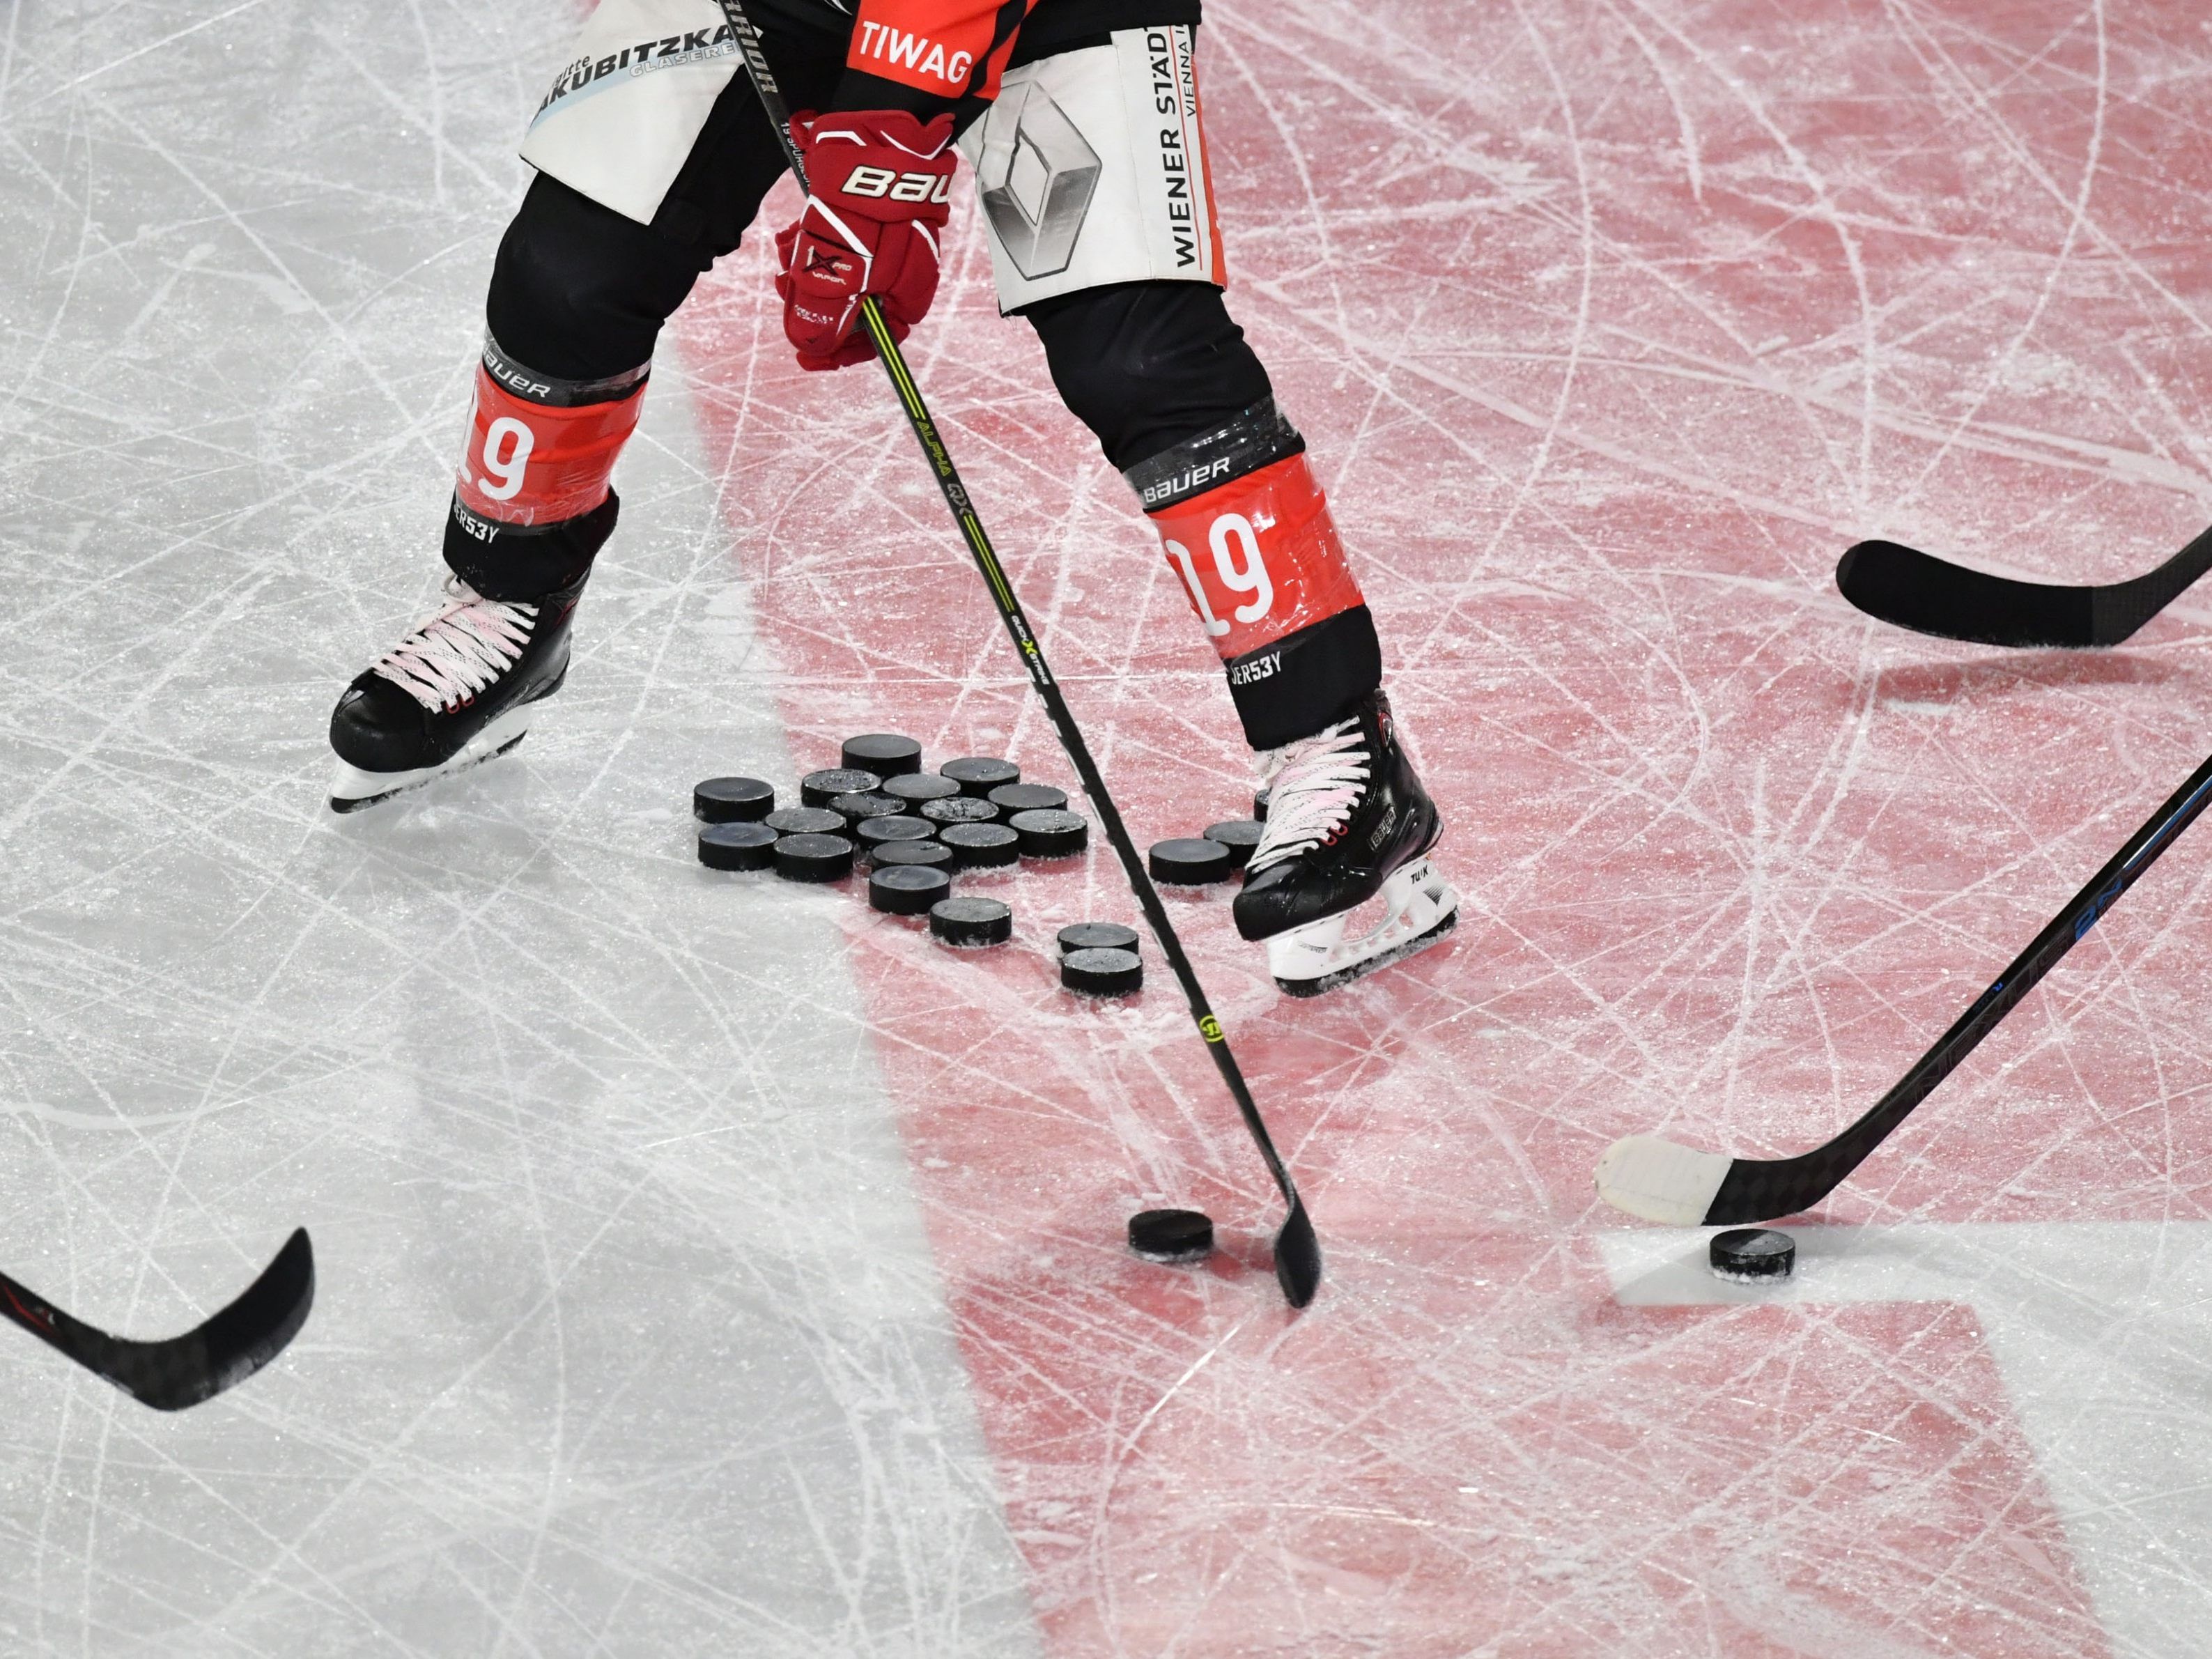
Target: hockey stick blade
(1903, 585)
(183, 1371)
(1298, 1255)
(1657, 1180)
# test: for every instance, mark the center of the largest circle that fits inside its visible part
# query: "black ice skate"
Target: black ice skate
(461, 689)
(1346, 820)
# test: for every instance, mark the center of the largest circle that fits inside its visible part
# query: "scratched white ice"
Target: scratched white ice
(627, 1340)
(708, 1268)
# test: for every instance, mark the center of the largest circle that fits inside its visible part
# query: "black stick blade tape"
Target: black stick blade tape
(971, 922)
(737, 846)
(884, 753)
(1171, 1234)
(908, 890)
(731, 800)
(1753, 1254)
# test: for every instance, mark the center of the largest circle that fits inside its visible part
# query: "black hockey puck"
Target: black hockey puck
(907, 889)
(931, 854)
(1239, 835)
(959, 809)
(1171, 1234)
(1189, 861)
(813, 858)
(731, 800)
(854, 808)
(874, 832)
(1028, 797)
(1050, 835)
(1096, 936)
(971, 922)
(884, 753)
(981, 846)
(1259, 805)
(918, 787)
(1102, 972)
(737, 846)
(820, 788)
(979, 775)
(804, 821)
(1753, 1255)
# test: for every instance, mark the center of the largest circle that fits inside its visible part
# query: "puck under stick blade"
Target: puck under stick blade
(1753, 1255)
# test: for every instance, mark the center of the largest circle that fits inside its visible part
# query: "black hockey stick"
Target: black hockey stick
(183, 1371)
(1297, 1251)
(1916, 590)
(1660, 1181)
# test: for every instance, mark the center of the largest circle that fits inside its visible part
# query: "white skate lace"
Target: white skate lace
(1313, 786)
(461, 650)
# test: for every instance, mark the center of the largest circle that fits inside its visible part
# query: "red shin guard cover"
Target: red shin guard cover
(529, 464)
(1260, 556)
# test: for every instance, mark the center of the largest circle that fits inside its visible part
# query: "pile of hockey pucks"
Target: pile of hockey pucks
(915, 830)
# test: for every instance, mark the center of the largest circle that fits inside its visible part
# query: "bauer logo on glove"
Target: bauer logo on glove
(881, 187)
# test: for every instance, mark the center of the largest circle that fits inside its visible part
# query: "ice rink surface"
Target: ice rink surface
(709, 1266)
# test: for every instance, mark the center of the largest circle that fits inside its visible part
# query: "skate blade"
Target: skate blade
(353, 789)
(1317, 959)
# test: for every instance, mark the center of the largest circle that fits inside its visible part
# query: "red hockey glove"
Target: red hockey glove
(882, 186)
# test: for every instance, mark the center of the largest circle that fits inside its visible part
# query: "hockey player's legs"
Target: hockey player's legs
(1182, 407)
(579, 294)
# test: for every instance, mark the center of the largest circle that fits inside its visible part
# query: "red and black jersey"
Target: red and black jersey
(930, 55)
